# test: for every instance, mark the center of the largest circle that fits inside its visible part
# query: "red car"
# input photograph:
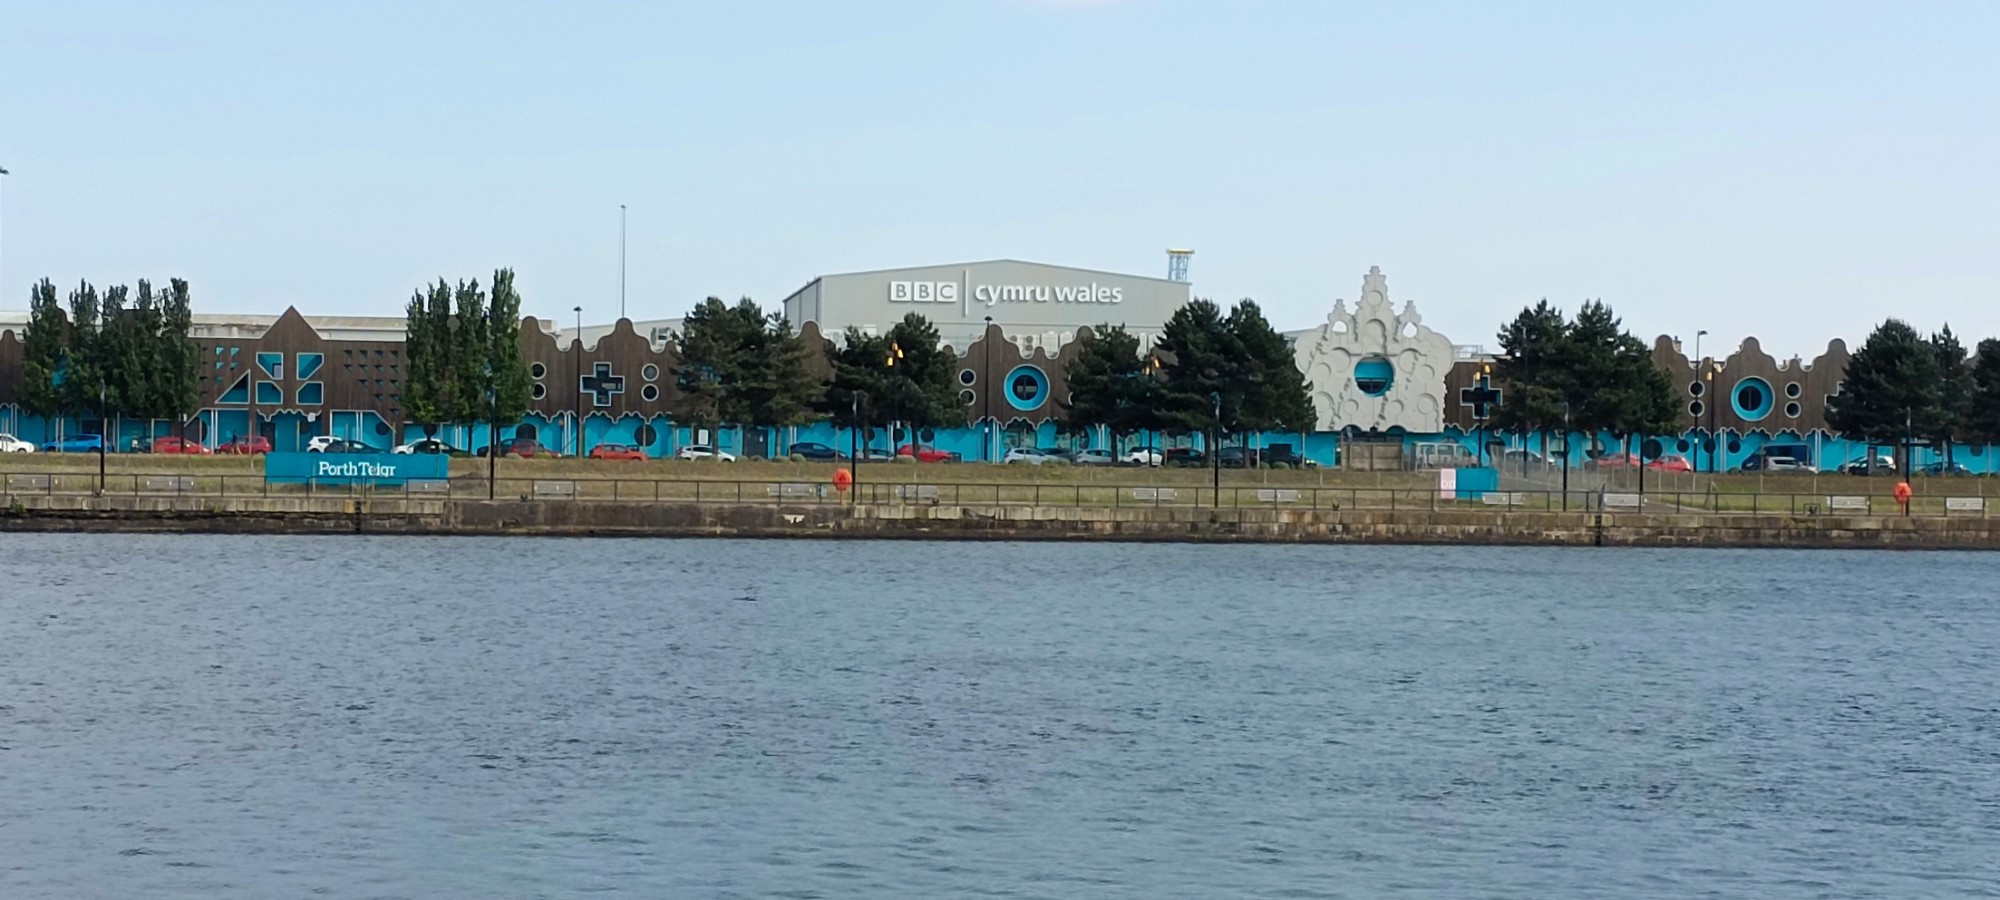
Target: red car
(1616, 461)
(925, 454)
(178, 445)
(244, 446)
(618, 451)
(524, 448)
(1670, 464)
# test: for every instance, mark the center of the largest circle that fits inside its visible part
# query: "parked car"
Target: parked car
(1238, 458)
(12, 444)
(870, 454)
(75, 443)
(703, 451)
(1878, 465)
(625, 452)
(429, 447)
(1092, 458)
(1775, 457)
(176, 445)
(1186, 457)
(1515, 460)
(1944, 468)
(251, 445)
(1777, 465)
(1140, 456)
(324, 444)
(1033, 457)
(522, 448)
(1670, 464)
(1615, 461)
(815, 451)
(925, 454)
(1281, 456)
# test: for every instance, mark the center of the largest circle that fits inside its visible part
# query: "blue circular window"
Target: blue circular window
(1374, 375)
(1027, 388)
(1753, 399)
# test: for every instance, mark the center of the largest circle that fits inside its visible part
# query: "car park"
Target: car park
(1944, 468)
(1238, 458)
(815, 451)
(1878, 465)
(1777, 465)
(1614, 461)
(1281, 456)
(428, 447)
(12, 444)
(703, 451)
(1032, 457)
(244, 445)
(75, 443)
(523, 448)
(1186, 457)
(1092, 458)
(1670, 464)
(324, 444)
(622, 452)
(181, 446)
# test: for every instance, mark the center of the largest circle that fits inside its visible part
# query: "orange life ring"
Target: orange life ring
(842, 479)
(1902, 492)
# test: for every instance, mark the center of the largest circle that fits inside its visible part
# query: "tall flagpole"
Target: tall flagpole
(621, 260)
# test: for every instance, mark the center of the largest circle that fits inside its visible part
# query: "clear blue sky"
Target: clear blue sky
(1792, 170)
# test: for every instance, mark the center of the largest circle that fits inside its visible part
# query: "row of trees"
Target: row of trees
(739, 364)
(1586, 374)
(1209, 372)
(1901, 384)
(462, 354)
(118, 355)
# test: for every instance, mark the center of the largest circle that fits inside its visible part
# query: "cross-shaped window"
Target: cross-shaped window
(1481, 397)
(601, 385)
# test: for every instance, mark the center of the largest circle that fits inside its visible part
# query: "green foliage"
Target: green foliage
(1955, 390)
(1111, 385)
(1271, 391)
(860, 386)
(1535, 370)
(81, 386)
(178, 383)
(1892, 385)
(905, 375)
(714, 349)
(45, 343)
(779, 386)
(1239, 361)
(1982, 420)
(509, 379)
(469, 361)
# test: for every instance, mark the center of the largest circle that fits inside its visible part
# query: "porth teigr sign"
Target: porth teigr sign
(354, 468)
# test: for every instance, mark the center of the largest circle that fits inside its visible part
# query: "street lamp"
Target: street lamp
(1706, 399)
(986, 393)
(1566, 439)
(1214, 453)
(493, 429)
(896, 401)
(576, 355)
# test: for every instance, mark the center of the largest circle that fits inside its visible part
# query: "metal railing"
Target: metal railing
(1966, 501)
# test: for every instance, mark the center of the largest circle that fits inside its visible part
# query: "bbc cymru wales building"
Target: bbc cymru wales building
(1035, 306)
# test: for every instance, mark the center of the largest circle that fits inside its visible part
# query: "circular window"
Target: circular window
(1027, 388)
(525, 431)
(1792, 410)
(1695, 409)
(967, 398)
(1792, 390)
(381, 428)
(650, 372)
(1374, 376)
(1651, 448)
(1735, 444)
(1708, 445)
(967, 377)
(538, 370)
(1694, 389)
(1681, 445)
(650, 393)
(926, 435)
(647, 435)
(1753, 399)
(539, 391)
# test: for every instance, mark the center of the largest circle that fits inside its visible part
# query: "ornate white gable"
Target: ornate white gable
(1370, 337)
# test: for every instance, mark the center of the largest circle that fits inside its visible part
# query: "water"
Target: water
(371, 717)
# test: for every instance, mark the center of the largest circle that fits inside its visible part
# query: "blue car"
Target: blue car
(75, 443)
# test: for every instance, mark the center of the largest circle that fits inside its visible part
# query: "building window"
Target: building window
(309, 364)
(273, 365)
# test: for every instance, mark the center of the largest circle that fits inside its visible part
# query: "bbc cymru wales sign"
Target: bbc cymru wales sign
(354, 468)
(995, 294)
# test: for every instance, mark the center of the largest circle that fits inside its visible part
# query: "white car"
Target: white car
(701, 451)
(1032, 457)
(12, 444)
(1092, 458)
(1141, 456)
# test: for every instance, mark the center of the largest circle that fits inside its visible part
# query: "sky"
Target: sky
(1796, 171)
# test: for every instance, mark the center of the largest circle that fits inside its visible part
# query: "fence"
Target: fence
(1966, 501)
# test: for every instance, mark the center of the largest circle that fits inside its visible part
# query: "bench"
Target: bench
(1156, 495)
(919, 492)
(1964, 504)
(1501, 498)
(796, 491)
(1622, 501)
(1849, 504)
(29, 482)
(427, 486)
(174, 484)
(555, 489)
(1274, 495)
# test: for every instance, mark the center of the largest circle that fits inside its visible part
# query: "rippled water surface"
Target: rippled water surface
(373, 717)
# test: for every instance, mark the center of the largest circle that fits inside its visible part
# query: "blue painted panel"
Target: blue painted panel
(353, 468)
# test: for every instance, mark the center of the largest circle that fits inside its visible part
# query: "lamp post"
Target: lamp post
(3, 255)
(493, 428)
(621, 260)
(1214, 456)
(896, 401)
(1705, 398)
(576, 357)
(854, 448)
(986, 393)
(1715, 454)
(1566, 437)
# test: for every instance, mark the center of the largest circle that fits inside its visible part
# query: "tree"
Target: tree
(44, 346)
(470, 355)
(1199, 353)
(1270, 390)
(1955, 389)
(82, 386)
(1111, 385)
(1534, 371)
(1982, 421)
(714, 348)
(779, 388)
(1891, 387)
(507, 368)
(924, 393)
(178, 382)
(427, 361)
(859, 392)
(1613, 384)
(144, 377)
